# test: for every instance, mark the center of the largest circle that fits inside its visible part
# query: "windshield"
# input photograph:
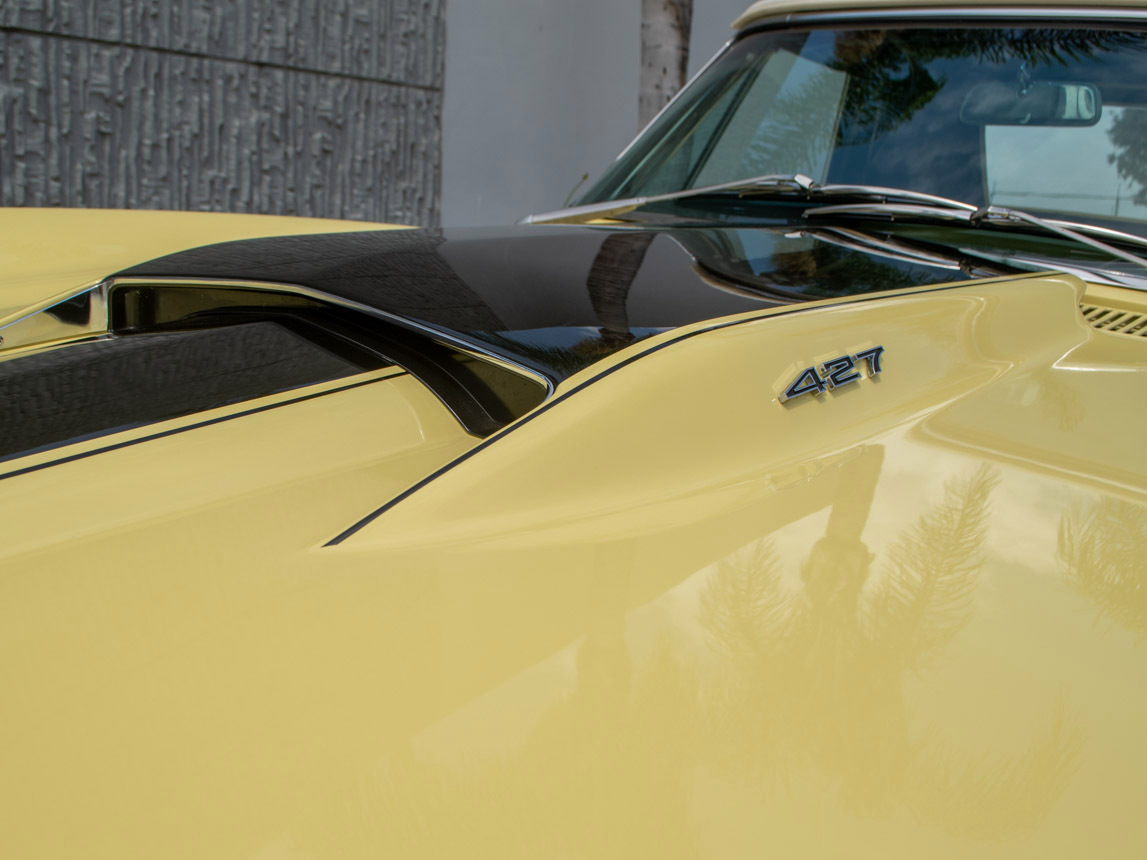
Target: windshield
(1052, 119)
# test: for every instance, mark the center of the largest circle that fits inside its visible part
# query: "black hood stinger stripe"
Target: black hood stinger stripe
(558, 298)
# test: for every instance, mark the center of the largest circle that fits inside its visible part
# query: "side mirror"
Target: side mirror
(1043, 103)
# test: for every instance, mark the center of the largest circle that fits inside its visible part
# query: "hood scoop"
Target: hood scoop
(1115, 320)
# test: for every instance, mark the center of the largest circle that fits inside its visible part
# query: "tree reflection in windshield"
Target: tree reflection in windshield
(876, 107)
(1128, 136)
(890, 81)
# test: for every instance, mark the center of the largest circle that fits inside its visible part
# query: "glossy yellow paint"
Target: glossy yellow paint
(1134, 301)
(668, 616)
(49, 254)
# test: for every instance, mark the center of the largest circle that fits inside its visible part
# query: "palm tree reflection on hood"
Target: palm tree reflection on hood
(801, 684)
(1099, 550)
(817, 674)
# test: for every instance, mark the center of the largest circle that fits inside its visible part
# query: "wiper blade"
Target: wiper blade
(1104, 232)
(795, 185)
(894, 249)
(878, 200)
(988, 215)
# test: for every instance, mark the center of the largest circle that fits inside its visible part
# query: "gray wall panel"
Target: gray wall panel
(397, 40)
(712, 27)
(538, 93)
(311, 107)
(542, 91)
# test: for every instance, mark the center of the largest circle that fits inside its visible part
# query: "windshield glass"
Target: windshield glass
(1049, 119)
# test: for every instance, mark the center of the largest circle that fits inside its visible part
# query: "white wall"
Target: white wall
(712, 20)
(539, 92)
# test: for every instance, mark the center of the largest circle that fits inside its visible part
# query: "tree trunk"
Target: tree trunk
(665, 28)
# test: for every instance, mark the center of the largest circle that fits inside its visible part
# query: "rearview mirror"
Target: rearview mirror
(1044, 103)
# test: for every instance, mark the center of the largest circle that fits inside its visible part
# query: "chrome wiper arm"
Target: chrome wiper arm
(1000, 214)
(879, 200)
(893, 249)
(1094, 230)
(769, 183)
(778, 184)
(977, 218)
(894, 211)
(880, 194)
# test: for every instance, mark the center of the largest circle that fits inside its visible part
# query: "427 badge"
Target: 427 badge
(834, 373)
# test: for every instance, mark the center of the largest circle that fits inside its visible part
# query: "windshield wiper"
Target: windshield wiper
(895, 249)
(988, 215)
(795, 185)
(878, 200)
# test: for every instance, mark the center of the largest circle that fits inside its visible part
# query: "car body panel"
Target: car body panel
(971, 354)
(49, 254)
(259, 452)
(666, 612)
(901, 619)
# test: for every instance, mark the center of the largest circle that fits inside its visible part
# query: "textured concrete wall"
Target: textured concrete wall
(312, 107)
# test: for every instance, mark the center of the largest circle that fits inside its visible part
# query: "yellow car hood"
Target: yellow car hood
(49, 254)
(665, 615)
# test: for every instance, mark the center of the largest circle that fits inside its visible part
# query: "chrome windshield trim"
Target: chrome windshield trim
(934, 13)
(461, 343)
(704, 68)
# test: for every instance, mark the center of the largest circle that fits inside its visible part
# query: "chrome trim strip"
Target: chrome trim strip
(10, 329)
(43, 304)
(1026, 13)
(442, 335)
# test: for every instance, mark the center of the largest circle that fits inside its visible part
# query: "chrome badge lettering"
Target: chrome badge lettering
(834, 373)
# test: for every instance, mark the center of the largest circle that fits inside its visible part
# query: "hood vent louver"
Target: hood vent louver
(1116, 320)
